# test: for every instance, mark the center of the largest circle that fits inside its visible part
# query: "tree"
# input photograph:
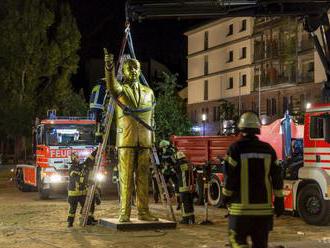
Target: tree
(38, 54)
(170, 112)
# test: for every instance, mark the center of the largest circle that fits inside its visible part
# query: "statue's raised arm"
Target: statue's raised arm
(113, 85)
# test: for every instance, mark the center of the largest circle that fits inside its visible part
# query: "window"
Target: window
(243, 25)
(206, 65)
(317, 127)
(206, 90)
(230, 56)
(243, 53)
(273, 106)
(206, 40)
(230, 29)
(243, 80)
(230, 83)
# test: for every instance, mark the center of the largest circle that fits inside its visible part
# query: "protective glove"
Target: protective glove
(279, 206)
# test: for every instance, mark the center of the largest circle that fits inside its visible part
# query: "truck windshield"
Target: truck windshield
(69, 134)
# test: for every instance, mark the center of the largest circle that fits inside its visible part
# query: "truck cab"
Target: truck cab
(309, 194)
(55, 139)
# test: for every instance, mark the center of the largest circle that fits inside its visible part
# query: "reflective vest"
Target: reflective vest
(97, 97)
(251, 176)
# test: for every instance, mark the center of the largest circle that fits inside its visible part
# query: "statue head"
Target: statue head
(131, 70)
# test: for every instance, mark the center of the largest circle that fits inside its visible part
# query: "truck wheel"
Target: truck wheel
(43, 193)
(20, 181)
(312, 207)
(214, 192)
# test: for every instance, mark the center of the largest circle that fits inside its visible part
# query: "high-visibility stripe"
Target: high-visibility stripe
(227, 192)
(259, 212)
(233, 242)
(244, 181)
(267, 164)
(253, 206)
(71, 215)
(230, 160)
(183, 189)
(76, 193)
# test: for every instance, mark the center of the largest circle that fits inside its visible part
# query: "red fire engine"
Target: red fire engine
(55, 139)
(306, 169)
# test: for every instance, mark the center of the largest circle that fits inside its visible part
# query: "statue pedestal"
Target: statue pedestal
(136, 225)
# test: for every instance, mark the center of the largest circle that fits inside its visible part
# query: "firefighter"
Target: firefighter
(251, 176)
(77, 187)
(168, 162)
(185, 177)
(96, 106)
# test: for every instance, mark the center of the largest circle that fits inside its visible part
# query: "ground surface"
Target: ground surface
(27, 222)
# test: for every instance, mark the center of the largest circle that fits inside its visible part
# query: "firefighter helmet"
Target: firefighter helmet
(180, 155)
(74, 157)
(164, 143)
(249, 123)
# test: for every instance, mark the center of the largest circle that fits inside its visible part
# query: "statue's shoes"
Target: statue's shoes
(147, 217)
(124, 218)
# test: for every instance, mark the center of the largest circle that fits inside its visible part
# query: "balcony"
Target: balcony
(306, 77)
(268, 49)
(274, 78)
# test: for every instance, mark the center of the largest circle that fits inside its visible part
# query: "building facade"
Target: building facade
(267, 65)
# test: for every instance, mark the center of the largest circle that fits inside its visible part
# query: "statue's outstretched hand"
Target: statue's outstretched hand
(108, 59)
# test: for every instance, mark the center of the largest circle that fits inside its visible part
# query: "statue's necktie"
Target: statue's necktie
(136, 92)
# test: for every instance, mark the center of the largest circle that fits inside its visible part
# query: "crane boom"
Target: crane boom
(314, 13)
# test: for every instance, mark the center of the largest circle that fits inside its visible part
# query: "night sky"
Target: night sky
(101, 23)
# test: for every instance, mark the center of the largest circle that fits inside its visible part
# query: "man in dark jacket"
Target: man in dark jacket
(252, 177)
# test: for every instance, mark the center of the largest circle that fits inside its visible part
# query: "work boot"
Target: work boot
(123, 218)
(185, 220)
(70, 221)
(91, 221)
(147, 216)
(192, 219)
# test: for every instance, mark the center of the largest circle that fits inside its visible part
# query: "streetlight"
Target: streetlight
(204, 117)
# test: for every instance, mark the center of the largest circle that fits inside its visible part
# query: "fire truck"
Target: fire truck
(304, 151)
(54, 139)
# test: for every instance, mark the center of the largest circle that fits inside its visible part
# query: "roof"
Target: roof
(67, 121)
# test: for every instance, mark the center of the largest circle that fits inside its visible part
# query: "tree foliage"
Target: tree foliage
(38, 54)
(228, 111)
(170, 112)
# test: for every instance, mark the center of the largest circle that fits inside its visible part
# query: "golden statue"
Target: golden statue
(134, 140)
